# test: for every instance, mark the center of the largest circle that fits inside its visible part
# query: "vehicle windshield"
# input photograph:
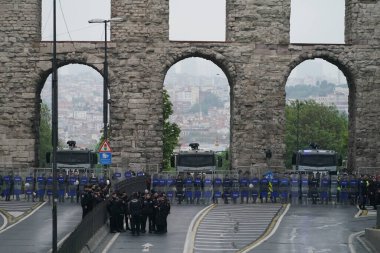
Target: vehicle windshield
(72, 157)
(317, 160)
(195, 160)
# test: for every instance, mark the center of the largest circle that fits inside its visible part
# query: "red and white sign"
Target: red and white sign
(105, 147)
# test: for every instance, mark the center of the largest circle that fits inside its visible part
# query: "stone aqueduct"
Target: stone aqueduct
(256, 57)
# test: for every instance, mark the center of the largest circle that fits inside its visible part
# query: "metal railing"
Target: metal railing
(94, 220)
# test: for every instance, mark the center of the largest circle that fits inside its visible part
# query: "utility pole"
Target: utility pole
(54, 127)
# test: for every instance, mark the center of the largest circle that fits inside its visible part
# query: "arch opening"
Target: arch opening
(199, 91)
(320, 109)
(80, 108)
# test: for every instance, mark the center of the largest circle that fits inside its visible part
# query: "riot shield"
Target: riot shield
(227, 185)
(41, 186)
(155, 182)
(198, 183)
(254, 189)
(189, 189)
(73, 184)
(324, 190)
(49, 188)
(275, 193)
(218, 188)
(264, 190)
(170, 187)
(304, 189)
(244, 189)
(207, 189)
(29, 188)
(334, 194)
(353, 190)
(8, 191)
(344, 190)
(61, 187)
(235, 189)
(295, 188)
(284, 189)
(17, 186)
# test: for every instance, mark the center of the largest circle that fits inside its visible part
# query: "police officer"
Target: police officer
(264, 188)
(227, 183)
(147, 213)
(197, 188)
(112, 208)
(363, 192)
(314, 184)
(61, 188)
(86, 201)
(162, 212)
(135, 208)
(179, 188)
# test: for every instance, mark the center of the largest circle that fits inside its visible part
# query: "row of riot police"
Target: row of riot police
(41, 187)
(295, 188)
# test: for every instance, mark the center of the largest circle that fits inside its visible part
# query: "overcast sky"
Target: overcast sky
(312, 21)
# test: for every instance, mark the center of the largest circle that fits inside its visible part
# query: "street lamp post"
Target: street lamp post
(105, 71)
(54, 129)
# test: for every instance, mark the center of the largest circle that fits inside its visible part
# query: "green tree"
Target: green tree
(45, 134)
(317, 123)
(171, 131)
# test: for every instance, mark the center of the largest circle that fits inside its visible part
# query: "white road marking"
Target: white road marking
(27, 216)
(109, 244)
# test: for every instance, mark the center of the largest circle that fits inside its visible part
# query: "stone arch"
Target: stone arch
(217, 58)
(40, 82)
(348, 70)
(44, 74)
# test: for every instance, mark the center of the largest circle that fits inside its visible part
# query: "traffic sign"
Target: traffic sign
(105, 158)
(105, 147)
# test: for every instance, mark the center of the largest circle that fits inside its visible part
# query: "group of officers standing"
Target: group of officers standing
(139, 213)
(316, 187)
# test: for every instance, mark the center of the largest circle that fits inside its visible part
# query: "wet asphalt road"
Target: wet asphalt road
(316, 229)
(34, 234)
(304, 229)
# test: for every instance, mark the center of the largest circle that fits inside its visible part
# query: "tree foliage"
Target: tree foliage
(45, 134)
(171, 131)
(316, 123)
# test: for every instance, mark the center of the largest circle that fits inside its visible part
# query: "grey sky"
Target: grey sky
(312, 21)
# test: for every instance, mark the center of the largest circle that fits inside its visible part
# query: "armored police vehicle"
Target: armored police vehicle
(74, 157)
(314, 159)
(195, 160)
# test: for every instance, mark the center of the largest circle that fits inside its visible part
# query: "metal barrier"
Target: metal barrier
(94, 220)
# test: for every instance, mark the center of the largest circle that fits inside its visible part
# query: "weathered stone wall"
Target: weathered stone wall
(19, 33)
(256, 58)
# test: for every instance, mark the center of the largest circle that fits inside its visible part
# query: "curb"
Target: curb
(191, 232)
(271, 229)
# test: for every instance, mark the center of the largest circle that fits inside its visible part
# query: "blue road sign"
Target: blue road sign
(105, 158)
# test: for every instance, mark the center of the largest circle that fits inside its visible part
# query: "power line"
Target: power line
(64, 20)
(47, 20)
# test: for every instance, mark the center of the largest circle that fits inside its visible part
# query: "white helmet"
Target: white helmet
(250, 185)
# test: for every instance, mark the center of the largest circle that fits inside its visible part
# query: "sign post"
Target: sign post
(105, 153)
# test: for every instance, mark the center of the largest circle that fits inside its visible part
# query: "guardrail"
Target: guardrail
(94, 220)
